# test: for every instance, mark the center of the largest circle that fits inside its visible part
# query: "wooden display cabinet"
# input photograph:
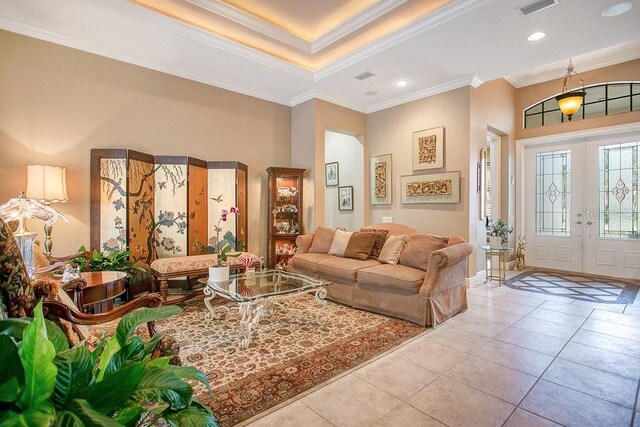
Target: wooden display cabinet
(285, 214)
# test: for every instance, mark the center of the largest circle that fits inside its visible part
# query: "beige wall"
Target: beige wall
(390, 131)
(529, 95)
(492, 109)
(308, 151)
(57, 103)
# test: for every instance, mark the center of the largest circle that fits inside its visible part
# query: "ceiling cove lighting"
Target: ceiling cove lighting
(402, 83)
(570, 101)
(617, 9)
(534, 37)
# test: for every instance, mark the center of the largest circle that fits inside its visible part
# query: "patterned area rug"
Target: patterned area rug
(289, 355)
(576, 286)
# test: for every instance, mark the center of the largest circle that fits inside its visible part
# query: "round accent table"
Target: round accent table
(102, 288)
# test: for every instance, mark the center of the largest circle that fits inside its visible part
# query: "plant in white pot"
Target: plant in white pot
(498, 233)
(219, 272)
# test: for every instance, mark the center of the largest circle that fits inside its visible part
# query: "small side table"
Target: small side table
(492, 271)
(102, 288)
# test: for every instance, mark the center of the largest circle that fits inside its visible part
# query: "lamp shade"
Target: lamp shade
(47, 184)
(570, 102)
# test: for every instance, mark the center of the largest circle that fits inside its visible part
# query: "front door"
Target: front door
(554, 178)
(582, 203)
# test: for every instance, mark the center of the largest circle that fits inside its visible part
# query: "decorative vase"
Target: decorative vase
(495, 242)
(219, 274)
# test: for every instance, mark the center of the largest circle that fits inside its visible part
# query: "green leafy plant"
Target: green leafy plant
(43, 382)
(500, 229)
(110, 261)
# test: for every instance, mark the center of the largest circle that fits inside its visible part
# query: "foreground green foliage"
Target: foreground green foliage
(43, 382)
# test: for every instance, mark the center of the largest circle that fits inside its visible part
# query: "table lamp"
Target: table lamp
(20, 209)
(47, 184)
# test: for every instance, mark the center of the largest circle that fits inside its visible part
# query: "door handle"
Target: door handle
(589, 222)
(579, 222)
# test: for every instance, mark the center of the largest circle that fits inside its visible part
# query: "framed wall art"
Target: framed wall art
(331, 177)
(432, 188)
(428, 149)
(380, 180)
(345, 198)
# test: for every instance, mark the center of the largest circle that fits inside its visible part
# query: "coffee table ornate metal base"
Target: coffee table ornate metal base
(257, 292)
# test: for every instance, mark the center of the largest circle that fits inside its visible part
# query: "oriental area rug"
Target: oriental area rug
(576, 286)
(289, 354)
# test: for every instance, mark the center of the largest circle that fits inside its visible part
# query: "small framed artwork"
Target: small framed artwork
(331, 177)
(380, 181)
(428, 149)
(432, 188)
(345, 198)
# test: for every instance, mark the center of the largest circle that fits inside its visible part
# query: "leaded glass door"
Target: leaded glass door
(554, 178)
(612, 222)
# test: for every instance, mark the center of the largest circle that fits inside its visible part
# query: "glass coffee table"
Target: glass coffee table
(255, 292)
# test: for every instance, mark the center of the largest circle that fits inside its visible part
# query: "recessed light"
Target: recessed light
(402, 83)
(617, 9)
(371, 93)
(533, 37)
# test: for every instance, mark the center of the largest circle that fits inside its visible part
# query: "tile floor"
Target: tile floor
(513, 359)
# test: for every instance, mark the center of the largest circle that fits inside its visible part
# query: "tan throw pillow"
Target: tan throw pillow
(360, 245)
(419, 247)
(322, 240)
(340, 242)
(378, 241)
(392, 249)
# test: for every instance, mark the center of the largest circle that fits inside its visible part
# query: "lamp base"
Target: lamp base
(48, 243)
(25, 243)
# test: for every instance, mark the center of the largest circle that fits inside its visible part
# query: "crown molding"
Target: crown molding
(120, 55)
(476, 82)
(163, 22)
(524, 79)
(424, 93)
(432, 20)
(246, 19)
(324, 96)
(366, 16)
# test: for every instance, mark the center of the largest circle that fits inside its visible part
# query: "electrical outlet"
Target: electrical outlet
(387, 219)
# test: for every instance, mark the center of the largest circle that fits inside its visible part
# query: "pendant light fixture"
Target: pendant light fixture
(570, 101)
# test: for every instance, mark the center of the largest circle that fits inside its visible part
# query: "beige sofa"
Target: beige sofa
(425, 298)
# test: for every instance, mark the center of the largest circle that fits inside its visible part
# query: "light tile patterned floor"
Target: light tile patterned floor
(513, 359)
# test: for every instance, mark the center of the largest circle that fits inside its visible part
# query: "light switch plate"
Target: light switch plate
(387, 219)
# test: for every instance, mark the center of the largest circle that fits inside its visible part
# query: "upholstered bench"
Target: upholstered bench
(164, 269)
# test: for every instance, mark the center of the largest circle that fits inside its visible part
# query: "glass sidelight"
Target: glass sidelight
(553, 193)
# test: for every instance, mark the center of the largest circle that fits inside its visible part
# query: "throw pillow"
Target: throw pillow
(340, 242)
(378, 241)
(419, 247)
(322, 240)
(392, 249)
(360, 245)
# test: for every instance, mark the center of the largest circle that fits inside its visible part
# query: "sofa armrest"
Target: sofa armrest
(303, 243)
(446, 269)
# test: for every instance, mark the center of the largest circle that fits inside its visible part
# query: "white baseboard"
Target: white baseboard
(476, 280)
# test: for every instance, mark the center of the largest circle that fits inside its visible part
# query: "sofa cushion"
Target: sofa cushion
(308, 262)
(392, 249)
(378, 241)
(418, 248)
(344, 268)
(340, 242)
(398, 277)
(360, 245)
(322, 240)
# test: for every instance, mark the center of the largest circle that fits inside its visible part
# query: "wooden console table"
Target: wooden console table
(102, 288)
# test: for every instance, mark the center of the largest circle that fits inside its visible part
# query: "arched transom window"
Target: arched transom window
(603, 99)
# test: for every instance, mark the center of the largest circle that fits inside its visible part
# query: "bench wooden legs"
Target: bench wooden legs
(164, 286)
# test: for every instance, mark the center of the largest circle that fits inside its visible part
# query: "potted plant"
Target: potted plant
(43, 382)
(219, 272)
(498, 233)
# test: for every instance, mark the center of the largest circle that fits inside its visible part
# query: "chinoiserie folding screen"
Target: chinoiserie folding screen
(162, 206)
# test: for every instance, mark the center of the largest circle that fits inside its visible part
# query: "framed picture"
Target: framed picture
(345, 198)
(432, 188)
(428, 149)
(331, 174)
(380, 180)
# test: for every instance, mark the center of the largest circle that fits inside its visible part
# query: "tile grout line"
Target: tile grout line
(635, 405)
